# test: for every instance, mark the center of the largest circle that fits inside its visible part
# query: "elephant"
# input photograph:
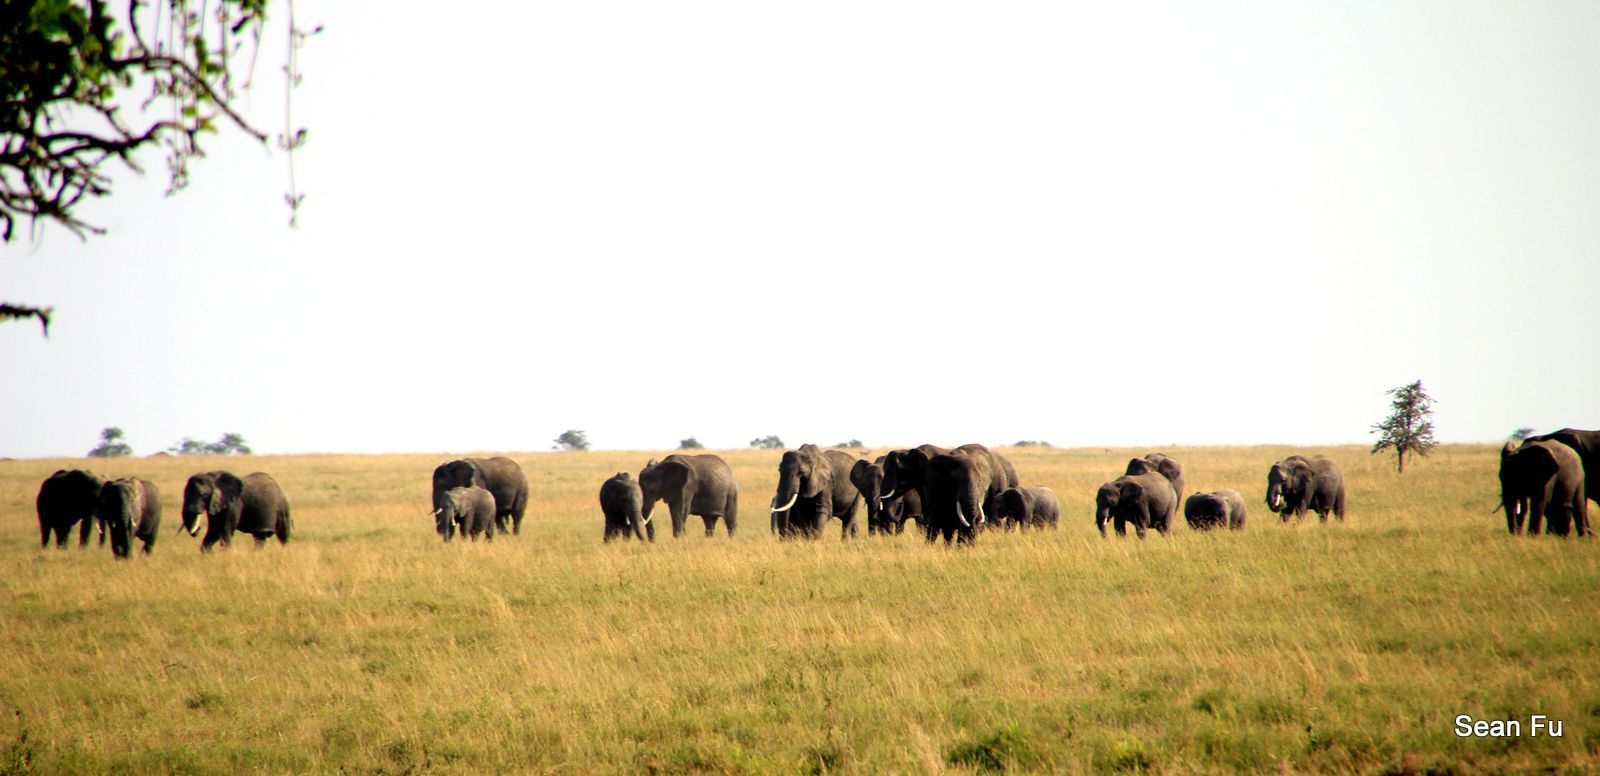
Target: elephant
(960, 490)
(254, 505)
(884, 515)
(903, 470)
(65, 498)
(1145, 499)
(1587, 445)
(471, 508)
(501, 476)
(692, 485)
(1543, 479)
(814, 485)
(130, 508)
(1162, 464)
(1036, 507)
(1216, 509)
(1298, 484)
(622, 503)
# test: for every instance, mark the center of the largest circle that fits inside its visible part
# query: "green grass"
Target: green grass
(367, 645)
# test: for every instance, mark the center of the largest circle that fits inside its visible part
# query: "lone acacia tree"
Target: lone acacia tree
(83, 84)
(112, 444)
(1409, 427)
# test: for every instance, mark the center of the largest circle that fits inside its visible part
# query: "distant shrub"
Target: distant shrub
(854, 444)
(690, 444)
(111, 444)
(994, 752)
(1031, 443)
(1521, 434)
(572, 439)
(229, 444)
(767, 443)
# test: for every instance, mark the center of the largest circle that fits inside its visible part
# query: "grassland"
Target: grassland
(367, 645)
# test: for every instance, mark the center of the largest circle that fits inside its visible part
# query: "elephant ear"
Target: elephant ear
(227, 489)
(675, 476)
(1108, 494)
(480, 477)
(917, 459)
(1136, 467)
(861, 474)
(1129, 491)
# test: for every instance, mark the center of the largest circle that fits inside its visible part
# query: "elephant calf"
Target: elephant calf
(1036, 507)
(622, 502)
(471, 508)
(130, 509)
(1216, 509)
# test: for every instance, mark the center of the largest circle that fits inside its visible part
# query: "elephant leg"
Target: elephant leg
(730, 514)
(261, 541)
(679, 516)
(1121, 524)
(83, 532)
(711, 525)
(44, 534)
(63, 533)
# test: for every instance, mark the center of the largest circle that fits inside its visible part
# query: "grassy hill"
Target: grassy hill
(367, 645)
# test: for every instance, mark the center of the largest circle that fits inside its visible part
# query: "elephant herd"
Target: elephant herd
(952, 493)
(130, 508)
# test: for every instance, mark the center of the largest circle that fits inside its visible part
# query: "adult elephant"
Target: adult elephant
(1164, 465)
(885, 515)
(1543, 479)
(1145, 499)
(814, 485)
(130, 508)
(501, 476)
(1036, 507)
(1587, 445)
(961, 488)
(253, 504)
(1297, 484)
(903, 471)
(66, 498)
(692, 485)
(1217, 509)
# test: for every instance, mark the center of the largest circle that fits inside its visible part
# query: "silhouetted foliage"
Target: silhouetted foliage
(767, 443)
(229, 444)
(690, 444)
(1031, 443)
(111, 444)
(1409, 427)
(572, 439)
(854, 444)
(88, 84)
(1521, 434)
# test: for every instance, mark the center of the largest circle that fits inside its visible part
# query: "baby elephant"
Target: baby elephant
(130, 509)
(470, 507)
(1206, 511)
(623, 502)
(1028, 507)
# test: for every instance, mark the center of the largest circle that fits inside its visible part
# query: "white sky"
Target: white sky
(1096, 224)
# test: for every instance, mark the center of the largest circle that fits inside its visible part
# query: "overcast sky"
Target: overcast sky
(1096, 224)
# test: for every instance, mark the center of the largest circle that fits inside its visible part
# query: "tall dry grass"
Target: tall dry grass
(367, 645)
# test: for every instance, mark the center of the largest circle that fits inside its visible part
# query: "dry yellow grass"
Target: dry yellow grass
(367, 645)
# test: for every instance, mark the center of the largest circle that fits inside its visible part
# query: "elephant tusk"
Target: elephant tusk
(887, 496)
(961, 516)
(785, 507)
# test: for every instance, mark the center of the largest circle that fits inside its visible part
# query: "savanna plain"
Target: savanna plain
(367, 645)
